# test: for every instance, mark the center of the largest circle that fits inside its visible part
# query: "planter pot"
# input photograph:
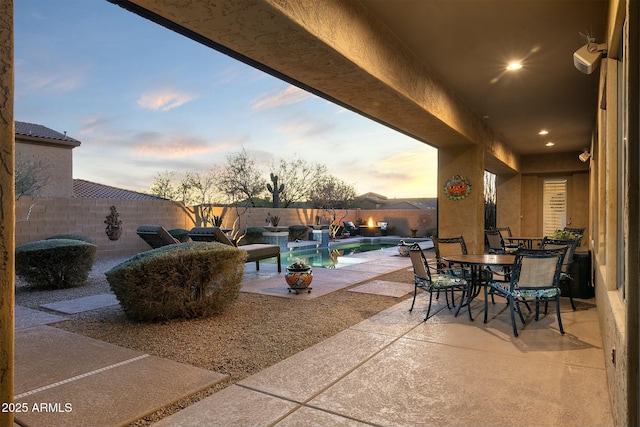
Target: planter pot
(403, 249)
(299, 279)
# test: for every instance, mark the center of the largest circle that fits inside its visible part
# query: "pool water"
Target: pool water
(335, 256)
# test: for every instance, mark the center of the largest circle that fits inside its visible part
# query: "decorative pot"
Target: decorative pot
(403, 249)
(299, 279)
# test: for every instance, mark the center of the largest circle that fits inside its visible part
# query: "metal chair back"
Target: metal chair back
(570, 244)
(537, 268)
(494, 241)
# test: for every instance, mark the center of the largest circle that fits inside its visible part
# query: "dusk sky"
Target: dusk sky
(144, 100)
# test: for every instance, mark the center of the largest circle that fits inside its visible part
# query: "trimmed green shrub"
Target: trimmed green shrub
(180, 234)
(55, 263)
(193, 279)
(72, 237)
(253, 235)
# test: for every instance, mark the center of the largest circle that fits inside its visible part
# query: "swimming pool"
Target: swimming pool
(335, 256)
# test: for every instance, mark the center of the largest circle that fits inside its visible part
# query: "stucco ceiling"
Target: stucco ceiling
(466, 43)
(469, 42)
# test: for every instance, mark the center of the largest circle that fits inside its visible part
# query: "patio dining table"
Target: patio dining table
(477, 262)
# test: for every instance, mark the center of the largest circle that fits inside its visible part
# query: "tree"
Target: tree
(164, 185)
(240, 179)
(299, 178)
(332, 195)
(31, 176)
(196, 190)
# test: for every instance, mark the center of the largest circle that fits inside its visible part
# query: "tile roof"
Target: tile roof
(92, 190)
(39, 131)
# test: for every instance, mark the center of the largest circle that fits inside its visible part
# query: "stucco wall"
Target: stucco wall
(532, 202)
(51, 216)
(57, 165)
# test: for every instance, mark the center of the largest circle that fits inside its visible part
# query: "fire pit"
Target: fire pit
(370, 229)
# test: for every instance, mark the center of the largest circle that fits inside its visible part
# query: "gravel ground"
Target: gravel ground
(254, 333)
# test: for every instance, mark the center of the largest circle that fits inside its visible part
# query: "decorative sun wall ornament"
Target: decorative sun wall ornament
(457, 187)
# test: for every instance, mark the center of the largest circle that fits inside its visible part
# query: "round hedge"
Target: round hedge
(193, 279)
(55, 263)
(80, 237)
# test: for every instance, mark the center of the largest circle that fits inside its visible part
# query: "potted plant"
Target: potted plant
(299, 276)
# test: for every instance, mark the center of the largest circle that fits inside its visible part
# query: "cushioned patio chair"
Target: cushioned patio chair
(571, 245)
(156, 236)
(534, 277)
(255, 252)
(353, 229)
(424, 279)
(508, 245)
(496, 244)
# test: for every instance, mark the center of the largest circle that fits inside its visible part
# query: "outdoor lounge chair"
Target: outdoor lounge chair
(255, 252)
(156, 236)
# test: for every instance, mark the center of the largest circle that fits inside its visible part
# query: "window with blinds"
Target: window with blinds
(554, 211)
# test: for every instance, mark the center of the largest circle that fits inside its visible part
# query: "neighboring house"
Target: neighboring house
(48, 153)
(378, 201)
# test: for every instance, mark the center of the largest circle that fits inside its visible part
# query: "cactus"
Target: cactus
(275, 190)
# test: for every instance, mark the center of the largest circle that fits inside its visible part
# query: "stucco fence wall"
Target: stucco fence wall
(52, 216)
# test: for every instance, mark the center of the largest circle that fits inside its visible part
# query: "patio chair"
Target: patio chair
(351, 228)
(255, 252)
(496, 244)
(506, 231)
(571, 245)
(430, 282)
(156, 236)
(534, 277)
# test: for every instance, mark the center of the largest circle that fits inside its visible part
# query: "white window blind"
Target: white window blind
(554, 212)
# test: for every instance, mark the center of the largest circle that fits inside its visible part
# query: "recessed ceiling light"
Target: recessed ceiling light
(549, 144)
(514, 66)
(543, 132)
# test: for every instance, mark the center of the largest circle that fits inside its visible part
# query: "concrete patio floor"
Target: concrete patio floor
(391, 369)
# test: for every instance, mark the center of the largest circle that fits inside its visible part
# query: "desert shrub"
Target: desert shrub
(180, 234)
(193, 279)
(72, 237)
(55, 263)
(253, 235)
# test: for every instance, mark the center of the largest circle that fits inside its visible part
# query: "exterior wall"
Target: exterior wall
(51, 216)
(57, 164)
(615, 253)
(532, 202)
(462, 217)
(7, 250)
(509, 202)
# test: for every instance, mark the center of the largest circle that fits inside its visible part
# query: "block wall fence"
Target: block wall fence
(52, 216)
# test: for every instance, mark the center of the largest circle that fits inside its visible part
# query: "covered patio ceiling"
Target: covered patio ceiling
(433, 69)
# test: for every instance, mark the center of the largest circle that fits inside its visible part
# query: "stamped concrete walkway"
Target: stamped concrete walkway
(391, 369)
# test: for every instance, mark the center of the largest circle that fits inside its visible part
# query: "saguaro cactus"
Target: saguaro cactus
(275, 190)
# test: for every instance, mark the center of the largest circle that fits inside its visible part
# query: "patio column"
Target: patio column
(7, 209)
(462, 216)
